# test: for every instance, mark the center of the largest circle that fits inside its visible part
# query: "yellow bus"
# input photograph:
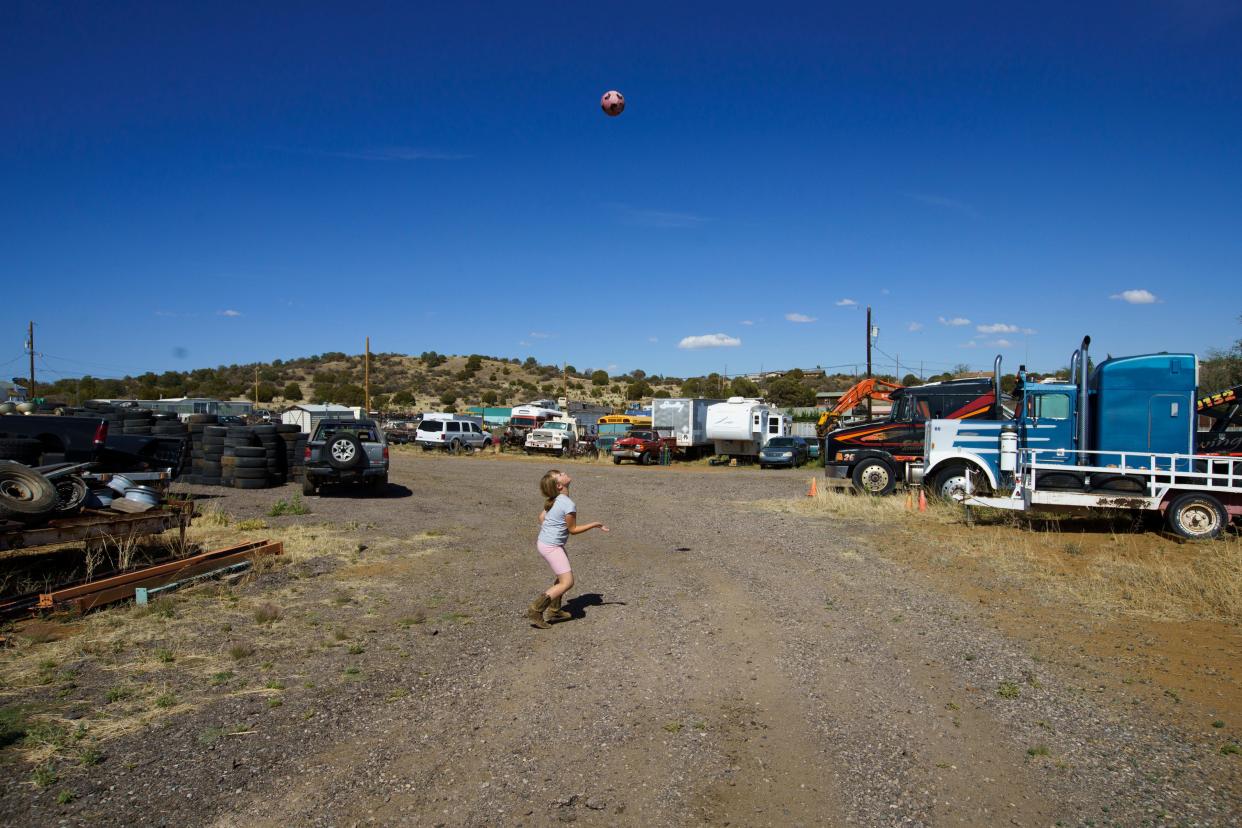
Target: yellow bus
(614, 426)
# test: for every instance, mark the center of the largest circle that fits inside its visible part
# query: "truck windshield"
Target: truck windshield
(644, 435)
(556, 426)
(524, 422)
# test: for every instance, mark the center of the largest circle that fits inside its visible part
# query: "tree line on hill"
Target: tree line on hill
(405, 383)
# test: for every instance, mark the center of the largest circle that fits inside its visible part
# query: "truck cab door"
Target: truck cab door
(1047, 424)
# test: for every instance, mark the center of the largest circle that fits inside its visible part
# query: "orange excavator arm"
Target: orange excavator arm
(876, 389)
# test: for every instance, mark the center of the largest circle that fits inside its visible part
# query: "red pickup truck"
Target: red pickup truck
(643, 446)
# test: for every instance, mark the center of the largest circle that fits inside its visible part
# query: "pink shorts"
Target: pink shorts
(555, 556)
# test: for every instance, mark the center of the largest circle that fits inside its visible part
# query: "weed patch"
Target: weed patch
(291, 506)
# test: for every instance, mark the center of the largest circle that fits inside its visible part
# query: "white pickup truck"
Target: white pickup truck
(559, 435)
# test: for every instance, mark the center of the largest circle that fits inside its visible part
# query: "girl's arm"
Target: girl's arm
(542, 514)
(571, 523)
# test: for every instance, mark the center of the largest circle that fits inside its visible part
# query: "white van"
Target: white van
(451, 432)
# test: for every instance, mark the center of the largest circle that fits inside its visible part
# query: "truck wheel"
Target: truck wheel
(343, 451)
(616, 461)
(874, 477)
(455, 447)
(644, 459)
(1197, 516)
(24, 493)
(950, 481)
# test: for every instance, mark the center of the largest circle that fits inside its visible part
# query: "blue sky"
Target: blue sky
(187, 187)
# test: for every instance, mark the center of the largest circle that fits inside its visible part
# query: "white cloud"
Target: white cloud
(970, 344)
(955, 322)
(539, 335)
(653, 339)
(1136, 297)
(996, 327)
(1003, 343)
(748, 321)
(230, 312)
(846, 303)
(1029, 331)
(716, 340)
(523, 342)
(799, 317)
(914, 326)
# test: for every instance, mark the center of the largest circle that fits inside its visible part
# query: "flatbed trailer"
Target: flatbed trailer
(1198, 494)
(94, 526)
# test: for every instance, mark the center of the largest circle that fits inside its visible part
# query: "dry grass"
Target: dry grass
(1098, 563)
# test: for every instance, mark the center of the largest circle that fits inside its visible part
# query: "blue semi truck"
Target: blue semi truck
(1121, 436)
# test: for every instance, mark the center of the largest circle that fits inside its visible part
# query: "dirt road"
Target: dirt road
(727, 664)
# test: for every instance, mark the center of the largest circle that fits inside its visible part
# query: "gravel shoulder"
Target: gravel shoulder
(727, 664)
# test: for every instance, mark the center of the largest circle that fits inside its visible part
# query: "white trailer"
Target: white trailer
(739, 427)
(306, 417)
(685, 420)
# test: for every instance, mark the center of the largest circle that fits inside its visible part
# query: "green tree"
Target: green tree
(292, 391)
(910, 379)
(599, 377)
(489, 397)
(662, 394)
(637, 390)
(449, 399)
(530, 362)
(403, 398)
(266, 392)
(790, 391)
(380, 402)
(743, 387)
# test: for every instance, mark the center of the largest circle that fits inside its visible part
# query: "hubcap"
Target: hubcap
(955, 485)
(343, 451)
(875, 479)
(1199, 519)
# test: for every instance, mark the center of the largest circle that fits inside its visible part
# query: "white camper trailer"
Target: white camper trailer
(739, 427)
(685, 420)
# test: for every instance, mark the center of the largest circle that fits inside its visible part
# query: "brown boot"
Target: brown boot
(535, 612)
(555, 613)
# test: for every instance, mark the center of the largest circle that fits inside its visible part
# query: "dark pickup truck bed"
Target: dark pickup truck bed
(40, 440)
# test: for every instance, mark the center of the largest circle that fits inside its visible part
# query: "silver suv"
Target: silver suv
(346, 451)
(455, 435)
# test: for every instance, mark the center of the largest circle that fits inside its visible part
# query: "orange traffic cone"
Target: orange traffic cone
(814, 490)
(922, 500)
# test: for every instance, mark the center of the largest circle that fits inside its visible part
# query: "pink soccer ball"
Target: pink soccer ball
(613, 103)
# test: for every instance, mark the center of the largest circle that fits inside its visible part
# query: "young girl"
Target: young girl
(559, 520)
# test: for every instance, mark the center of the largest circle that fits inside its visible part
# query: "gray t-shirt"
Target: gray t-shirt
(554, 531)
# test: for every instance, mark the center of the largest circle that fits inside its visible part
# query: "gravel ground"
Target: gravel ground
(727, 664)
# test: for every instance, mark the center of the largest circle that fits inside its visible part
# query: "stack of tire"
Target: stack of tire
(294, 444)
(213, 453)
(197, 425)
(245, 457)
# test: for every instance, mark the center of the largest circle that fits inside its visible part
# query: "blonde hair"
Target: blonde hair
(547, 485)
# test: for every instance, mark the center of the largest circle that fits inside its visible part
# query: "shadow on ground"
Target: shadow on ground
(577, 605)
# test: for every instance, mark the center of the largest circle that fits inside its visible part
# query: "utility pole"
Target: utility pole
(366, 379)
(868, 358)
(30, 345)
(256, 385)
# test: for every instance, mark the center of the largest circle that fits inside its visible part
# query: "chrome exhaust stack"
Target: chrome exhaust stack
(997, 409)
(1083, 407)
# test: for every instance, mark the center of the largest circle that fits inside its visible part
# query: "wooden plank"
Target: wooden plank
(126, 591)
(62, 595)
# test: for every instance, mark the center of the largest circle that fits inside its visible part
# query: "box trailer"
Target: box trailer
(684, 419)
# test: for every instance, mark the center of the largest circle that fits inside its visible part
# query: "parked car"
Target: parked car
(784, 451)
(643, 446)
(346, 451)
(456, 435)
